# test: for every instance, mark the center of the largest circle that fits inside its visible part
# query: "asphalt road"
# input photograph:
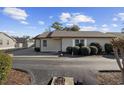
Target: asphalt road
(82, 69)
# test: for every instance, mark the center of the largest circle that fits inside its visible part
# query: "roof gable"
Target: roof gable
(8, 36)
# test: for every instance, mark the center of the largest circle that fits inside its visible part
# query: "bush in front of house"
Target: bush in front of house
(80, 45)
(98, 46)
(5, 67)
(37, 49)
(108, 48)
(69, 49)
(75, 50)
(94, 50)
(85, 51)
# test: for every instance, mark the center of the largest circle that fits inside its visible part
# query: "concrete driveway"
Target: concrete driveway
(82, 69)
(29, 52)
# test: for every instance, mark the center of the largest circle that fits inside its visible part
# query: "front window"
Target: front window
(1, 42)
(44, 43)
(7, 42)
(82, 42)
(77, 42)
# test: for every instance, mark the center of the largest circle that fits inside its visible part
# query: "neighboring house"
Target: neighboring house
(6, 41)
(23, 42)
(30, 42)
(60, 40)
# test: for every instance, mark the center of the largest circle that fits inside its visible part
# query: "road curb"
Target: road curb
(35, 57)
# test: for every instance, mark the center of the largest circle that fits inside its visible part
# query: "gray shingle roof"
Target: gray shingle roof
(76, 34)
(116, 33)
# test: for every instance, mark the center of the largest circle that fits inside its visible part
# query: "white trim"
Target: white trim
(85, 42)
(73, 42)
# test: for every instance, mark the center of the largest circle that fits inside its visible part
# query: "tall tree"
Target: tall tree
(118, 48)
(75, 28)
(72, 28)
(57, 26)
(67, 28)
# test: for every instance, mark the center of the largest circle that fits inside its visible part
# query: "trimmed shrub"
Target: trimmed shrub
(99, 47)
(5, 67)
(37, 49)
(108, 48)
(75, 50)
(94, 50)
(69, 50)
(80, 45)
(85, 51)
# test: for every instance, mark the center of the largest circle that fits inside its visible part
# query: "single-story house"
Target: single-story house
(24, 42)
(60, 40)
(6, 41)
(20, 42)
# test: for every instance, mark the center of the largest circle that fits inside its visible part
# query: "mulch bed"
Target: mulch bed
(109, 78)
(17, 77)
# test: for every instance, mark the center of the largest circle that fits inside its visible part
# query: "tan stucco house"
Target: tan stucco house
(6, 41)
(60, 40)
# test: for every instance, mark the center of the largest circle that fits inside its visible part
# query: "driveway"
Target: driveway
(82, 69)
(29, 52)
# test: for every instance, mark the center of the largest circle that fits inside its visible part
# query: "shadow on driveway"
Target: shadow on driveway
(109, 56)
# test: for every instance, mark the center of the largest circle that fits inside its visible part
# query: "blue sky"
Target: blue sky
(33, 21)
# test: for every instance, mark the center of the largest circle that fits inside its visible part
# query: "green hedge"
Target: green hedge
(94, 50)
(98, 46)
(85, 51)
(75, 50)
(5, 67)
(69, 49)
(108, 48)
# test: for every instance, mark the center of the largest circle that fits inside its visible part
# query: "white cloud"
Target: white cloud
(104, 25)
(69, 25)
(75, 18)
(114, 25)
(50, 17)
(24, 22)
(115, 19)
(105, 29)
(41, 22)
(88, 28)
(16, 13)
(121, 16)
(81, 18)
(65, 16)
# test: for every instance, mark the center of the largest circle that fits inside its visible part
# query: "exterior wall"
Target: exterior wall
(37, 43)
(4, 39)
(67, 42)
(19, 45)
(70, 42)
(53, 45)
(101, 41)
(30, 43)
